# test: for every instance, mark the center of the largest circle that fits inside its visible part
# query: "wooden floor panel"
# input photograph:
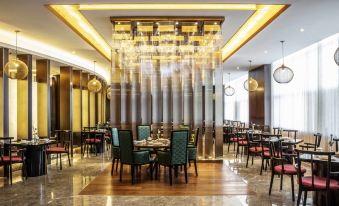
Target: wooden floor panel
(213, 179)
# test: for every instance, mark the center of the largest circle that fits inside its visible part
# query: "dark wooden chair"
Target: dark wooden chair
(265, 153)
(242, 142)
(59, 150)
(314, 182)
(115, 149)
(192, 150)
(280, 165)
(313, 146)
(7, 159)
(129, 156)
(254, 148)
(277, 130)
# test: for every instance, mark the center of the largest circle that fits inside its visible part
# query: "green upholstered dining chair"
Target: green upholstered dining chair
(129, 156)
(176, 156)
(115, 149)
(192, 150)
(143, 132)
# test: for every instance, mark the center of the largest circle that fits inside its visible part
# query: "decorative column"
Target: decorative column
(166, 99)
(198, 109)
(188, 95)
(43, 97)
(156, 98)
(24, 101)
(146, 98)
(176, 97)
(65, 100)
(115, 91)
(4, 114)
(84, 100)
(219, 106)
(208, 112)
(76, 101)
(135, 100)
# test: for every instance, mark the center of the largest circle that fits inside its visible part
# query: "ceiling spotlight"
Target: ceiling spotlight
(302, 29)
(73, 52)
(265, 51)
(215, 23)
(138, 23)
(176, 23)
(238, 67)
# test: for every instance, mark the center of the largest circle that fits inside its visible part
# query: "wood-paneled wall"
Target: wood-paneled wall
(260, 100)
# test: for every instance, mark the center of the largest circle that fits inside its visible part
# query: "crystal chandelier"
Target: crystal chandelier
(336, 56)
(250, 84)
(229, 91)
(94, 85)
(283, 74)
(15, 68)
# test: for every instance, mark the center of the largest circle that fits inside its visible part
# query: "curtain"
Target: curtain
(236, 106)
(309, 103)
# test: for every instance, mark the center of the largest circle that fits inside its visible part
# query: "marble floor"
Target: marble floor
(64, 187)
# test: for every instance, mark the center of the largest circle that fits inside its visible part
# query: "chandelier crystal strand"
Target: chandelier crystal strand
(283, 74)
(15, 68)
(229, 91)
(250, 84)
(94, 85)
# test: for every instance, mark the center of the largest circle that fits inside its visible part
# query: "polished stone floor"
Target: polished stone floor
(63, 187)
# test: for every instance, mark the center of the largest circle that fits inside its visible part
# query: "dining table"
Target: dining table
(35, 154)
(160, 143)
(319, 197)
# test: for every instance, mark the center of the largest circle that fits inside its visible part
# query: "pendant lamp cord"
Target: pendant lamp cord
(16, 43)
(94, 70)
(282, 52)
(229, 78)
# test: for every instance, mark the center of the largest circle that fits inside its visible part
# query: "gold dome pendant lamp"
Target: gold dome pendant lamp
(108, 93)
(15, 68)
(94, 85)
(229, 91)
(250, 84)
(283, 74)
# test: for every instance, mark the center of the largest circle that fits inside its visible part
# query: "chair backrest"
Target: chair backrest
(291, 133)
(178, 148)
(309, 156)
(143, 131)
(276, 150)
(276, 130)
(115, 137)
(126, 146)
(196, 136)
(6, 150)
(317, 140)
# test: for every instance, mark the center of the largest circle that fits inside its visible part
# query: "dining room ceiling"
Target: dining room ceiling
(316, 19)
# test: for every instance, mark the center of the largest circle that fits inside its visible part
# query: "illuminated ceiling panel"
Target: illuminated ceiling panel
(262, 16)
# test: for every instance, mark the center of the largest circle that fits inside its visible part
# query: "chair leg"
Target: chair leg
(186, 178)
(195, 166)
(176, 171)
(60, 161)
(151, 170)
(170, 174)
(112, 166)
(248, 157)
(292, 185)
(132, 173)
(262, 165)
(305, 198)
(299, 196)
(156, 171)
(252, 159)
(116, 168)
(271, 183)
(10, 174)
(281, 181)
(69, 160)
(228, 148)
(121, 169)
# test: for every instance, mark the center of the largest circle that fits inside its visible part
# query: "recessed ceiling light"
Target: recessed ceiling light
(238, 67)
(138, 23)
(302, 29)
(73, 52)
(265, 51)
(176, 23)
